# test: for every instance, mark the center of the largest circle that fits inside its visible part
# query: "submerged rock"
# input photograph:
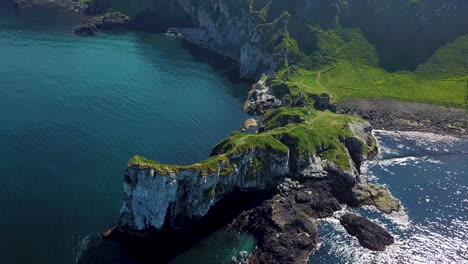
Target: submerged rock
(369, 234)
(87, 30)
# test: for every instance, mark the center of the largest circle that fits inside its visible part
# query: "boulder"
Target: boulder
(369, 234)
(248, 124)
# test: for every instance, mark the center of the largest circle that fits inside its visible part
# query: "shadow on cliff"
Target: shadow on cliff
(163, 246)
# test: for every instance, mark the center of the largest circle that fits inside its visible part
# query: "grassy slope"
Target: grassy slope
(443, 79)
(321, 134)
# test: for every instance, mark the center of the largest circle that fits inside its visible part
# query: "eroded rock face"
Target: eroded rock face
(369, 234)
(259, 99)
(179, 199)
(231, 33)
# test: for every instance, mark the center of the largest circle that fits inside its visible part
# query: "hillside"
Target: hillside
(413, 50)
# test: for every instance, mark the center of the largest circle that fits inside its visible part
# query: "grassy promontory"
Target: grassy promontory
(318, 133)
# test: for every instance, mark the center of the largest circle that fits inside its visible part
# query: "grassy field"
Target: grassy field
(347, 80)
(442, 80)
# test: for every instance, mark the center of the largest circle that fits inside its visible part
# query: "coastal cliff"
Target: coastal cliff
(320, 153)
(304, 154)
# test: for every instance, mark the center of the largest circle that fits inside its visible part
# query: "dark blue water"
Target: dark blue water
(429, 175)
(73, 110)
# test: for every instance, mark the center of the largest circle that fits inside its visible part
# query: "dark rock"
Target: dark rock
(284, 235)
(378, 196)
(355, 150)
(299, 101)
(285, 227)
(113, 21)
(87, 30)
(407, 116)
(259, 99)
(369, 234)
(322, 102)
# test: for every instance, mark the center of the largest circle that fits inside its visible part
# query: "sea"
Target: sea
(74, 110)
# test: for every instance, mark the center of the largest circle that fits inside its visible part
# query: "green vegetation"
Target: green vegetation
(209, 166)
(283, 116)
(255, 167)
(347, 51)
(347, 80)
(321, 133)
(240, 143)
(354, 72)
(212, 190)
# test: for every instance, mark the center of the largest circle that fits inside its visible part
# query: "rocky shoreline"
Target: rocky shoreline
(387, 114)
(164, 201)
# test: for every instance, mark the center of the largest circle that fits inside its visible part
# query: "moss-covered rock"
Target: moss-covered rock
(378, 196)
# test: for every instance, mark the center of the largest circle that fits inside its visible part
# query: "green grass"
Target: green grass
(448, 62)
(348, 80)
(211, 165)
(321, 133)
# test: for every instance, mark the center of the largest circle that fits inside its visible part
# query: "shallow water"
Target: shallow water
(74, 109)
(428, 174)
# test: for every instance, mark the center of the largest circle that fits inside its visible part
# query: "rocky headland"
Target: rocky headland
(304, 161)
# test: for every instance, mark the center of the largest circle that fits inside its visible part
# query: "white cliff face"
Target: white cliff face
(229, 30)
(152, 199)
(155, 199)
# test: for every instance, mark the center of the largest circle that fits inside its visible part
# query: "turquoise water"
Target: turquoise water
(73, 110)
(429, 175)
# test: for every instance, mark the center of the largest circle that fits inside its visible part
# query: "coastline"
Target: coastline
(388, 114)
(407, 119)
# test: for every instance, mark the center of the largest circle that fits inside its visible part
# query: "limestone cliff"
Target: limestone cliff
(175, 197)
(154, 197)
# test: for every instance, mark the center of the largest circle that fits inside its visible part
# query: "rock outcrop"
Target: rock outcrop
(179, 197)
(87, 30)
(167, 197)
(369, 234)
(260, 99)
(285, 225)
(110, 21)
(308, 160)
